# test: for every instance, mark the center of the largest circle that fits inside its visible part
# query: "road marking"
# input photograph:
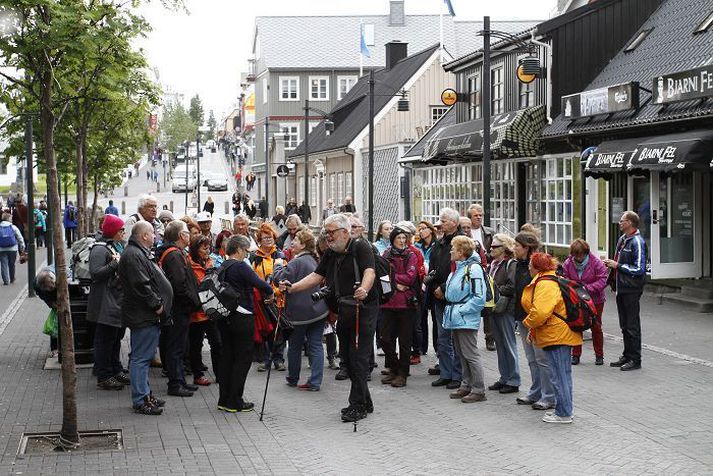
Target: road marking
(670, 353)
(12, 309)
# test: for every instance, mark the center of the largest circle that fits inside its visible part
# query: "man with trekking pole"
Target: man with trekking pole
(349, 270)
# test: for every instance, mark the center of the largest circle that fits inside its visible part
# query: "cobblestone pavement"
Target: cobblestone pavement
(654, 421)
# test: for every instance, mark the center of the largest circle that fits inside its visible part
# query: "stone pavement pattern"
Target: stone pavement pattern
(649, 422)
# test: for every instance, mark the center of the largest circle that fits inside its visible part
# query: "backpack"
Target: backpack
(581, 311)
(385, 275)
(218, 298)
(80, 257)
(71, 214)
(7, 237)
(491, 290)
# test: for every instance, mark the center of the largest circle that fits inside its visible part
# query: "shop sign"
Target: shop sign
(619, 97)
(283, 171)
(449, 96)
(683, 85)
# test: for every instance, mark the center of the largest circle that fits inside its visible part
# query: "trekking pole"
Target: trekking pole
(356, 333)
(269, 368)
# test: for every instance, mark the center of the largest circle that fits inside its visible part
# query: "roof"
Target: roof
(471, 57)
(448, 119)
(558, 21)
(333, 41)
(670, 47)
(351, 114)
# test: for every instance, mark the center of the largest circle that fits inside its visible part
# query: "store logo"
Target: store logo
(621, 97)
(614, 160)
(661, 155)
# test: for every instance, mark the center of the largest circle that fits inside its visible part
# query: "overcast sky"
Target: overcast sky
(203, 52)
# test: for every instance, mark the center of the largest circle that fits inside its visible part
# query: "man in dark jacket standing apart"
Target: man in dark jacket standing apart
(629, 266)
(104, 305)
(147, 300)
(174, 262)
(440, 265)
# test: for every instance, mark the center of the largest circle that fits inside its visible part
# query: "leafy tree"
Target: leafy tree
(212, 124)
(177, 126)
(195, 110)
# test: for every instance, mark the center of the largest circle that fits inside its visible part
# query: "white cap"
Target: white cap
(203, 216)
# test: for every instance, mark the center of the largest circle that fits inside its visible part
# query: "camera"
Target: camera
(324, 293)
(412, 301)
(428, 279)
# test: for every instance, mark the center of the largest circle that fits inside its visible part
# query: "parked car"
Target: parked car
(180, 183)
(218, 184)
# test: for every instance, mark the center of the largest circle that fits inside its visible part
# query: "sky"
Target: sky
(203, 51)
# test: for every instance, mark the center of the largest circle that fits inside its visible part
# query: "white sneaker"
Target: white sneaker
(552, 418)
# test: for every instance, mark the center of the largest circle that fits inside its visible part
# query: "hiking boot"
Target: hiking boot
(262, 367)
(556, 419)
(542, 405)
(148, 408)
(631, 365)
(388, 378)
(343, 374)
(524, 401)
(354, 413)
(156, 401)
(622, 360)
(575, 360)
(474, 397)
(123, 378)
(442, 382)
(398, 381)
(110, 384)
(458, 394)
(415, 360)
(453, 385)
(180, 392)
(599, 360)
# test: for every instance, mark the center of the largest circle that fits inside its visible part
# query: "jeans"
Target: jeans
(465, 342)
(506, 347)
(397, 324)
(107, 348)
(541, 389)
(7, 266)
(315, 351)
(143, 347)
(196, 333)
(448, 361)
(273, 352)
(561, 377)
(236, 334)
(355, 355)
(176, 342)
(628, 306)
(597, 336)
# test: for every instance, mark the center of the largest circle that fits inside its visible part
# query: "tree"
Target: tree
(212, 124)
(177, 126)
(195, 110)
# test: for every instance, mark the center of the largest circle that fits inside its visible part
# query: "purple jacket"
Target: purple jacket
(405, 273)
(594, 277)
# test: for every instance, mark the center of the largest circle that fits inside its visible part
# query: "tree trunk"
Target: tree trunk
(94, 202)
(69, 436)
(89, 227)
(81, 205)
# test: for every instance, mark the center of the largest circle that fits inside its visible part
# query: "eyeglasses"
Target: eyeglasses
(496, 246)
(267, 238)
(150, 206)
(354, 227)
(332, 232)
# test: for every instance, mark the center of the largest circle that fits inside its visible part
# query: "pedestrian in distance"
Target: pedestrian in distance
(111, 209)
(348, 206)
(291, 208)
(40, 225)
(11, 242)
(585, 268)
(147, 302)
(241, 224)
(305, 213)
(279, 220)
(205, 223)
(329, 210)
(464, 294)
(306, 314)
(209, 206)
(543, 301)
(628, 273)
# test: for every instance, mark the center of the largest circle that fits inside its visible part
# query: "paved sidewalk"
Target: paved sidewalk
(654, 421)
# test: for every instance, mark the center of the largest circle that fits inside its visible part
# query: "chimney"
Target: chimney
(395, 52)
(397, 16)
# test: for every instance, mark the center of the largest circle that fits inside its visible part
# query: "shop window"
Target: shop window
(474, 97)
(556, 211)
(454, 186)
(502, 198)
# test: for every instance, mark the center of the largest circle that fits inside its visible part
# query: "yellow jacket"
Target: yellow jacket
(546, 329)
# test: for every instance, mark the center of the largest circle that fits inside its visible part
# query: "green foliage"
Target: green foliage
(177, 126)
(195, 110)
(212, 124)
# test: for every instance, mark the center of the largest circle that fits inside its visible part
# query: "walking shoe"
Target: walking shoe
(223, 408)
(369, 407)
(156, 401)
(490, 344)
(262, 368)
(599, 360)
(343, 374)
(474, 397)
(202, 380)
(435, 370)
(398, 381)
(453, 385)
(388, 378)
(123, 378)
(307, 387)
(415, 360)
(441, 382)
(556, 419)
(190, 387)
(542, 405)
(631, 365)
(180, 392)
(458, 394)
(110, 384)
(386, 372)
(524, 401)
(332, 364)
(353, 414)
(496, 386)
(622, 360)
(280, 366)
(245, 407)
(509, 389)
(575, 360)
(147, 408)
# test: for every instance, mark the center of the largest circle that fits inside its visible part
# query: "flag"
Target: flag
(451, 12)
(364, 49)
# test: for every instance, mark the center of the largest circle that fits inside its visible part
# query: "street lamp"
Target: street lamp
(328, 126)
(267, 160)
(201, 130)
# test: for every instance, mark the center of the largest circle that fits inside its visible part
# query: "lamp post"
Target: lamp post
(201, 129)
(328, 127)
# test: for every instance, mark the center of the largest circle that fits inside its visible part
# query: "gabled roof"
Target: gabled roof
(351, 114)
(313, 42)
(670, 47)
(448, 119)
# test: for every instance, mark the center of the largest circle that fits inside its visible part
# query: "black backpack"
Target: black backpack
(385, 275)
(218, 298)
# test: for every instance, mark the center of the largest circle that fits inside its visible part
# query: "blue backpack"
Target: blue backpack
(7, 237)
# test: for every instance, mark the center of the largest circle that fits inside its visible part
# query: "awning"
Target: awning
(690, 150)
(513, 134)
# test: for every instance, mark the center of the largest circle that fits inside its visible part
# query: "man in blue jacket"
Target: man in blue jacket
(629, 268)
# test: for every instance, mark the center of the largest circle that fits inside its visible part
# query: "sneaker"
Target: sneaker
(474, 397)
(148, 408)
(226, 409)
(415, 360)
(343, 374)
(156, 401)
(458, 394)
(190, 387)
(308, 388)
(496, 386)
(575, 360)
(630, 365)
(599, 360)
(180, 392)
(246, 407)
(453, 385)
(542, 405)
(202, 381)
(123, 378)
(441, 382)
(110, 384)
(509, 389)
(262, 368)
(552, 418)
(524, 401)
(280, 366)
(354, 413)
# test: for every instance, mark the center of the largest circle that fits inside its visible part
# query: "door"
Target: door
(676, 247)
(640, 202)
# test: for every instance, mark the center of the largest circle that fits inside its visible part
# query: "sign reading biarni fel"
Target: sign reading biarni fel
(683, 85)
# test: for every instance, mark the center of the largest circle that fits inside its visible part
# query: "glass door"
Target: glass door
(640, 198)
(675, 245)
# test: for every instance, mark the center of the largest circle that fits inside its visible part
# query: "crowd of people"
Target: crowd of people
(300, 289)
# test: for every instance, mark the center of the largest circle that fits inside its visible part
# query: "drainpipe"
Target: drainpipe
(549, 74)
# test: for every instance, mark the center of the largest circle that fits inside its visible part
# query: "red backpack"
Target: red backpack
(581, 311)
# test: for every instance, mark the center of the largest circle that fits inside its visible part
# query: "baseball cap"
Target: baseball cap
(203, 217)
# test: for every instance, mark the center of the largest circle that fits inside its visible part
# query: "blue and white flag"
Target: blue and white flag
(363, 48)
(451, 12)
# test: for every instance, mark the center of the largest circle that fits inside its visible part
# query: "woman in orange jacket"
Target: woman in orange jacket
(201, 327)
(543, 300)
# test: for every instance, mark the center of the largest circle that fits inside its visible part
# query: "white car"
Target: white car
(217, 184)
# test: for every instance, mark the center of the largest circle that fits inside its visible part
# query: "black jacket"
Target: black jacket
(145, 287)
(105, 294)
(522, 279)
(505, 281)
(243, 278)
(179, 273)
(441, 260)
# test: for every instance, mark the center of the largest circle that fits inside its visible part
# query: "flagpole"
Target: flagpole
(361, 53)
(441, 32)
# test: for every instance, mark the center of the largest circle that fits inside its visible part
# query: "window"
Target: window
(437, 112)
(340, 187)
(638, 39)
(526, 94)
(265, 90)
(333, 188)
(705, 24)
(474, 97)
(344, 84)
(556, 198)
(503, 216)
(456, 186)
(319, 88)
(289, 88)
(348, 192)
(313, 191)
(496, 88)
(292, 131)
